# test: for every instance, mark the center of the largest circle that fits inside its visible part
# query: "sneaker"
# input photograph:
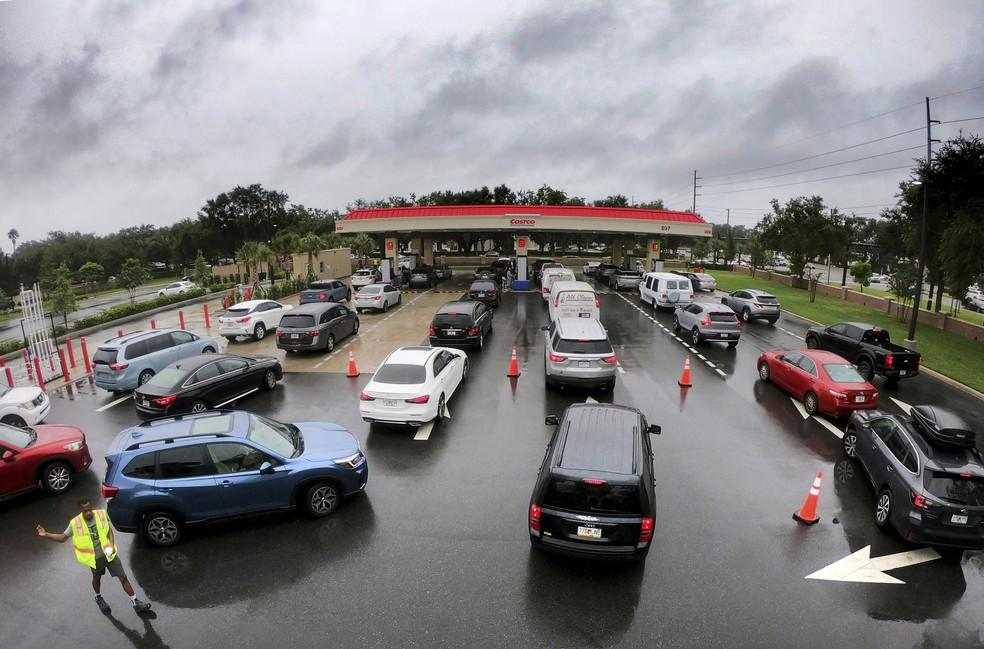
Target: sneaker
(141, 607)
(103, 606)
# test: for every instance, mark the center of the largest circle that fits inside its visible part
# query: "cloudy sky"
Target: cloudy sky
(123, 113)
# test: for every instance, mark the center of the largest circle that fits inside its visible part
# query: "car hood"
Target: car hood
(323, 440)
(20, 395)
(56, 434)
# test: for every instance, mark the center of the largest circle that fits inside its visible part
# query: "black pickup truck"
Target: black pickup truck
(868, 347)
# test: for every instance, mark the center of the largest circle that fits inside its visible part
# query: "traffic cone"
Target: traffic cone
(513, 365)
(353, 371)
(684, 381)
(808, 512)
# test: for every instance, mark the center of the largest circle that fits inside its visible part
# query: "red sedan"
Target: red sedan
(823, 381)
(49, 455)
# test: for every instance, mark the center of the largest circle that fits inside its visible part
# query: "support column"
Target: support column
(427, 254)
(617, 252)
(653, 255)
(391, 250)
(522, 281)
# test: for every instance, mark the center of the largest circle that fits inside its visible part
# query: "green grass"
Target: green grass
(157, 281)
(957, 357)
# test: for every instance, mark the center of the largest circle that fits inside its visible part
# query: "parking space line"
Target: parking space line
(829, 426)
(901, 404)
(114, 403)
(701, 356)
(720, 372)
(424, 432)
(800, 408)
(709, 363)
(621, 370)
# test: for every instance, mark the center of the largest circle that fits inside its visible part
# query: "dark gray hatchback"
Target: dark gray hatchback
(595, 495)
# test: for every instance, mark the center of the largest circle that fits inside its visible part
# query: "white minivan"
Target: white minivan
(665, 290)
(552, 275)
(573, 300)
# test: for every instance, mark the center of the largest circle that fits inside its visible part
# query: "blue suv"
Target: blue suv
(124, 363)
(168, 473)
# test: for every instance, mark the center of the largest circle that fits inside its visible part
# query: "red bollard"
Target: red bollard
(71, 352)
(27, 364)
(228, 302)
(153, 324)
(208, 323)
(181, 319)
(2, 362)
(119, 333)
(64, 366)
(37, 373)
(10, 377)
(85, 357)
(249, 293)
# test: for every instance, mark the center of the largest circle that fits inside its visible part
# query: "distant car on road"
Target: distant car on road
(868, 347)
(700, 281)
(326, 290)
(365, 277)
(578, 353)
(550, 265)
(486, 272)
(47, 455)
(753, 304)
(537, 266)
(24, 406)
(175, 288)
(594, 496)
(551, 275)
(252, 318)
(604, 270)
(623, 279)
(123, 363)
(823, 381)
(461, 323)
(484, 290)
(708, 321)
(878, 279)
(379, 297)
(312, 327)
(491, 253)
(165, 475)
(205, 382)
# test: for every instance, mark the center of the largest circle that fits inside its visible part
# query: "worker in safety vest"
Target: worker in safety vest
(95, 547)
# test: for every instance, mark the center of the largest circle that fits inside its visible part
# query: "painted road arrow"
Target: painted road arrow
(860, 567)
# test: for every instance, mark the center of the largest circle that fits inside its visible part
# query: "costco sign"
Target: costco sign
(522, 222)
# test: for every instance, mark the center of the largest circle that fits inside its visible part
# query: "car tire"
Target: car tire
(208, 350)
(481, 341)
(441, 405)
(322, 499)
(850, 443)
(259, 332)
(732, 344)
(399, 299)
(464, 370)
(676, 324)
(198, 406)
(330, 344)
(14, 420)
(883, 508)
(355, 327)
(145, 376)
(812, 342)
(695, 336)
(764, 371)
(358, 310)
(608, 387)
(865, 369)
(386, 305)
(348, 295)
(746, 315)
(269, 380)
(772, 323)
(57, 477)
(231, 339)
(161, 529)
(811, 403)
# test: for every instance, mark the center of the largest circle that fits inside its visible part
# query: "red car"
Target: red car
(823, 381)
(49, 455)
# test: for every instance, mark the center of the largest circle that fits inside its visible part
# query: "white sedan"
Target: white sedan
(378, 297)
(23, 406)
(413, 385)
(177, 287)
(252, 318)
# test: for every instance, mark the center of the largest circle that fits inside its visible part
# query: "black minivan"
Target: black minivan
(595, 494)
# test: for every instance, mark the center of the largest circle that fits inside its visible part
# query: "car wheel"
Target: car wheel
(231, 339)
(199, 406)
(883, 508)
(481, 340)
(269, 379)
(608, 387)
(259, 332)
(865, 369)
(746, 315)
(57, 477)
(812, 342)
(732, 344)
(330, 343)
(208, 350)
(162, 529)
(386, 305)
(764, 371)
(145, 376)
(695, 336)
(811, 403)
(14, 420)
(358, 310)
(440, 408)
(464, 371)
(348, 295)
(322, 499)
(676, 324)
(399, 299)
(355, 327)
(851, 444)
(772, 323)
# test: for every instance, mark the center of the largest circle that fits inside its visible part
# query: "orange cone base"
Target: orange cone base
(805, 521)
(684, 385)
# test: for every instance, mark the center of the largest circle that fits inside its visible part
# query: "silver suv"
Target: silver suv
(578, 353)
(753, 304)
(708, 321)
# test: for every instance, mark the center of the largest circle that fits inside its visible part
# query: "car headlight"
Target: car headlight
(28, 405)
(74, 446)
(351, 461)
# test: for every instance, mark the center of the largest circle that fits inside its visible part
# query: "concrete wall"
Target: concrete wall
(232, 269)
(328, 264)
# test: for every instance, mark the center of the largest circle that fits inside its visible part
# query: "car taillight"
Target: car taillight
(321, 296)
(839, 395)
(378, 297)
(594, 482)
(109, 492)
(535, 518)
(492, 293)
(246, 319)
(557, 358)
(431, 331)
(280, 334)
(473, 331)
(920, 360)
(610, 359)
(365, 397)
(889, 361)
(919, 500)
(421, 399)
(472, 293)
(597, 302)
(706, 322)
(164, 401)
(756, 305)
(119, 367)
(646, 529)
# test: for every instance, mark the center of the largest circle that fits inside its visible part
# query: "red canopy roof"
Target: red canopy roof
(567, 211)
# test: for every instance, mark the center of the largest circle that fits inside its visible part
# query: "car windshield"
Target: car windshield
(956, 488)
(296, 321)
(843, 373)
(168, 378)
(371, 290)
(19, 437)
(363, 272)
(283, 439)
(579, 496)
(400, 374)
(766, 299)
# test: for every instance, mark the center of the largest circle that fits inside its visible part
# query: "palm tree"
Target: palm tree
(362, 245)
(13, 235)
(251, 255)
(312, 244)
(285, 244)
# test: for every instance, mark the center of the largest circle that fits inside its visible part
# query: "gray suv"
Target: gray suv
(753, 304)
(124, 363)
(708, 321)
(578, 353)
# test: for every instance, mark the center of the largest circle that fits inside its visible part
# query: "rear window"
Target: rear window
(296, 320)
(104, 356)
(167, 377)
(449, 320)
(482, 286)
(766, 299)
(724, 317)
(584, 346)
(955, 488)
(876, 337)
(401, 374)
(235, 313)
(565, 297)
(842, 373)
(576, 495)
(371, 289)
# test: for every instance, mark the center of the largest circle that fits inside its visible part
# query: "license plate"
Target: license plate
(145, 402)
(726, 335)
(584, 315)
(859, 399)
(481, 295)
(589, 532)
(295, 336)
(389, 403)
(584, 363)
(958, 519)
(902, 373)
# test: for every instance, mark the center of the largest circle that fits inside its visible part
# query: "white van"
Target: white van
(573, 300)
(552, 275)
(665, 290)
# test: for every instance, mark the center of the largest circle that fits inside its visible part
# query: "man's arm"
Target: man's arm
(51, 536)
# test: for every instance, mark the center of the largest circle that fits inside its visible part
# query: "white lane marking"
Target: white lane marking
(590, 400)
(709, 364)
(424, 432)
(800, 408)
(447, 411)
(701, 356)
(829, 426)
(238, 398)
(114, 403)
(719, 372)
(860, 567)
(621, 370)
(678, 337)
(901, 404)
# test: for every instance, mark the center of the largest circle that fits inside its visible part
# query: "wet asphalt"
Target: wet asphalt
(436, 553)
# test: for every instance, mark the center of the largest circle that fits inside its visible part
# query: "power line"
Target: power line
(812, 180)
(967, 119)
(957, 92)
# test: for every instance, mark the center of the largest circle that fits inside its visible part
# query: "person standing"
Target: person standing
(95, 547)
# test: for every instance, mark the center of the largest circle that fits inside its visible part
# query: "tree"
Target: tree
(960, 249)
(245, 213)
(799, 229)
(757, 253)
(717, 247)
(91, 273)
(618, 200)
(251, 255)
(311, 244)
(202, 274)
(362, 245)
(61, 297)
(699, 249)
(13, 235)
(132, 275)
(861, 272)
(284, 244)
(902, 284)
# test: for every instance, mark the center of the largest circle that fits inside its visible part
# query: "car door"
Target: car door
(782, 370)
(483, 318)
(334, 323)
(242, 488)
(208, 385)
(236, 378)
(17, 472)
(183, 345)
(269, 313)
(440, 383)
(804, 376)
(346, 322)
(187, 481)
(738, 301)
(835, 338)
(900, 452)
(454, 368)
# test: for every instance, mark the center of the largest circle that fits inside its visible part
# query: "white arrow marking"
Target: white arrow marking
(590, 400)
(829, 426)
(860, 567)
(800, 408)
(902, 404)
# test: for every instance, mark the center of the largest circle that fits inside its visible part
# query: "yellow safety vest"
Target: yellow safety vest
(84, 551)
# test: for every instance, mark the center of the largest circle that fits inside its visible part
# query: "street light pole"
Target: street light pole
(922, 227)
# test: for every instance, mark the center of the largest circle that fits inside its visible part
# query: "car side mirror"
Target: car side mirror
(654, 429)
(549, 420)
(545, 328)
(780, 357)
(266, 468)
(8, 456)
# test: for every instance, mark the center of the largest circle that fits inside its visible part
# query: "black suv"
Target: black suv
(595, 496)
(461, 323)
(928, 477)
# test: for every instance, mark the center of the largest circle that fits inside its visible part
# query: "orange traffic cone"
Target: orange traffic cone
(513, 365)
(684, 381)
(808, 512)
(353, 371)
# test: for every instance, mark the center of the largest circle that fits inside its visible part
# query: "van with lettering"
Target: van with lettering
(573, 300)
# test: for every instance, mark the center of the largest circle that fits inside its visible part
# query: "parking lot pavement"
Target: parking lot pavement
(436, 553)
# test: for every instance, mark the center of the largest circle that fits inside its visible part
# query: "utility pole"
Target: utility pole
(693, 207)
(922, 226)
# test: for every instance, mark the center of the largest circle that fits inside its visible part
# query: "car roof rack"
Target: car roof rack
(171, 440)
